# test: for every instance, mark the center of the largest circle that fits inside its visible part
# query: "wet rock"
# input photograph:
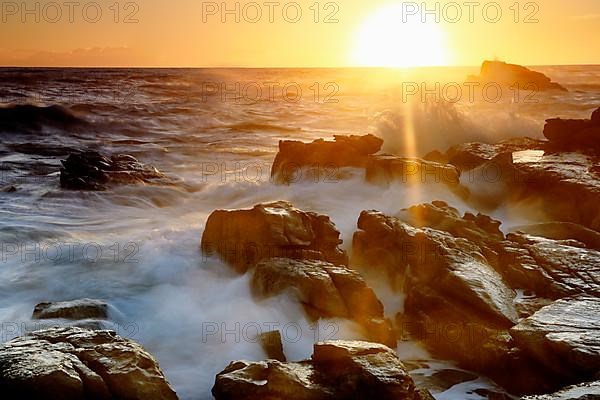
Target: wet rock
(272, 345)
(510, 75)
(550, 268)
(326, 290)
(564, 336)
(563, 185)
(75, 310)
(468, 156)
(8, 189)
(94, 171)
(574, 134)
(562, 231)
(442, 380)
(74, 363)
(584, 391)
(450, 266)
(385, 169)
(244, 237)
(337, 370)
(319, 155)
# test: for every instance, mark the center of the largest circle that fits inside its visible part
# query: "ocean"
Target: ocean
(216, 131)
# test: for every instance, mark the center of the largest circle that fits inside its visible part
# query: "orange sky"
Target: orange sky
(174, 34)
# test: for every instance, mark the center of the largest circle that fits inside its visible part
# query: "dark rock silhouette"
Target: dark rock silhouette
(74, 363)
(341, 370)
(574, 134)
(75, 309)
(94, 171)
(511, 74)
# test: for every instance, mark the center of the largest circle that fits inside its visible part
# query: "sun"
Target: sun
(384, 40)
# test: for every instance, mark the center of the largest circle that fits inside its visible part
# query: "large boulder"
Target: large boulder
(326, 291)
(564, 336)
(319, 155)
(574, 134)
(338, 370)
(74, 310)
(91, 170)
(511, 75)
(244, 237)
(78, 364)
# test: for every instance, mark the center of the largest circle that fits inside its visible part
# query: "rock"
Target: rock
(584, 391)
(74, 363)
(344, 151)
(384, 169)
(510, 75)
(574, 134)
(272, 345)
(244, 237)
(8, 189)
(563, 231)
(468, 156)
(338, 370)
(550, 268)
(75, 309)
(91, 170)
(554, 182)
(442, 380)
(450, 266)
(326, 291)
(564, 336)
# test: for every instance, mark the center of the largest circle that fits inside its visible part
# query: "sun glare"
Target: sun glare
(384, 40)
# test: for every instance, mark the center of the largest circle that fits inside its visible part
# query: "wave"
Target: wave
(24, 118)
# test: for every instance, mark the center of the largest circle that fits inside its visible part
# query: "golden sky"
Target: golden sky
(357, 32)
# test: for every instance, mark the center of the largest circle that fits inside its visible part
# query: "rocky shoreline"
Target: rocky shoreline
(520, 308)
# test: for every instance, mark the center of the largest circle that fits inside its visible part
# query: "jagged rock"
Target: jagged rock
(384, 169)
(74, 363)
(574, 134)
(584, 391)
(562, 231)
(453, 267)
(468, 156)
(511, 74)
(564, 185)
(550, 268)
(272, 345)
(244, 237)
(338, 370)
(344, 151)
(564, 336)
(75, 309)
(326, 290)
(91, 170)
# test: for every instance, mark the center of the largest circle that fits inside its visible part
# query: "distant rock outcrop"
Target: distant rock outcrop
(574, 134)
(511, 74)
(340, 370)
(91, 170)
(244, 237)
(75, 364)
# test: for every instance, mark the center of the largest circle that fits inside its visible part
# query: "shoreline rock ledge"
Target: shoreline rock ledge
(77, 364)
(340, 370)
